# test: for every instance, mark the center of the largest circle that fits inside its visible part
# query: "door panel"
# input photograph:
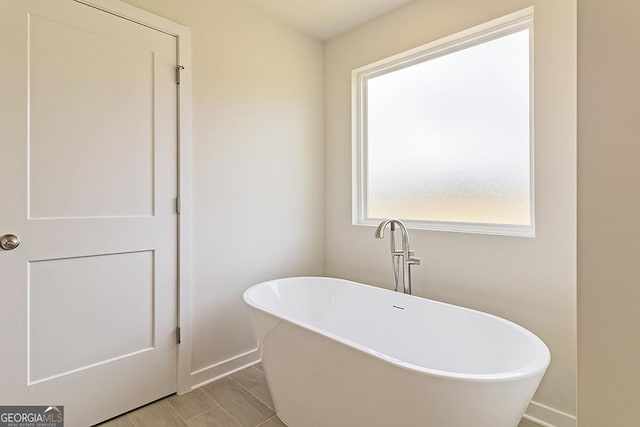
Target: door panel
(88, 71)
(61, 291)
(88, 125)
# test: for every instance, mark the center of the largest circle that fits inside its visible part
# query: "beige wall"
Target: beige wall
(530, 281)
(608, 206)
(258, 163)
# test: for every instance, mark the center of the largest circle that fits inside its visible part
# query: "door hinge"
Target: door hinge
(178, 337)
(179, 69)
(178, 205)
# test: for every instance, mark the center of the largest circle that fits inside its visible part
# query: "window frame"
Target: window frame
(488, 31)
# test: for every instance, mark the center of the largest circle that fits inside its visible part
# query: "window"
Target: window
(442, 134)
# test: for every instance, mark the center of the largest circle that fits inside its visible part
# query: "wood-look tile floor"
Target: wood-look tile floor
(241, 399)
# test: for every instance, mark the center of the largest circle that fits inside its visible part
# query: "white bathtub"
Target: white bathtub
(342, 354)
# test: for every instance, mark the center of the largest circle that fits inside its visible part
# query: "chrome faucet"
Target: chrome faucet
(407, 255)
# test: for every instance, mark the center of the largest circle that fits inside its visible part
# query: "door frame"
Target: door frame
(184, 184)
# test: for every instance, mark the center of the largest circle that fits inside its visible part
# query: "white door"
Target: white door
(88, 182)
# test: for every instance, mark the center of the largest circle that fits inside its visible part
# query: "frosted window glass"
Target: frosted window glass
(448, 138)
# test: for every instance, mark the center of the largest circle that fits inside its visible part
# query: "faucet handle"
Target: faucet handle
(413, 260)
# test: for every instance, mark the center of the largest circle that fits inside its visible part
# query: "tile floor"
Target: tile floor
(241, 399)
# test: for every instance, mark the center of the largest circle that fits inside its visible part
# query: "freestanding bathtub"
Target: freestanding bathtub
(342, 354)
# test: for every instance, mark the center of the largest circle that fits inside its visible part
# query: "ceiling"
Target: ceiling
(325, 19)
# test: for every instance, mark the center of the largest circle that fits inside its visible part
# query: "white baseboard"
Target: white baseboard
(549, 417)
(207, 375)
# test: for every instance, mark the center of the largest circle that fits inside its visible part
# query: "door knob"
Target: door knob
(9, 242)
